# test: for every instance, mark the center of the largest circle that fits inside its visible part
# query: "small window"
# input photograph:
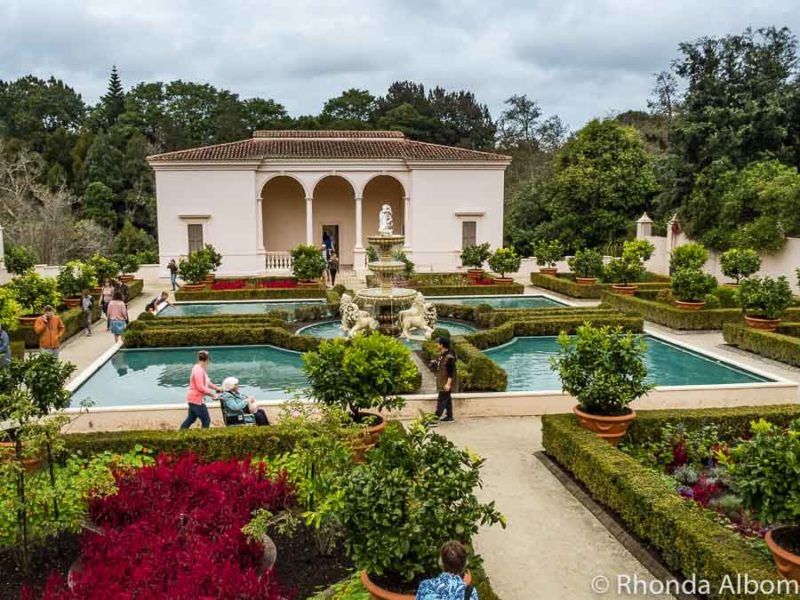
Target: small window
(195, 237)
(468, 233)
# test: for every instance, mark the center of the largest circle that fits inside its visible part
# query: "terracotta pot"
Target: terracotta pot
(551, 271)
(28, 320)
(308, 283)
(127, 278)
(376, 592)
(788, 563)
(624, 290)
(8, 453)
(72, 302)
(610, 429)
(475, 273)
(689, 305)
(193, 287)
(586, 280)
(504, 280)
(762, 324)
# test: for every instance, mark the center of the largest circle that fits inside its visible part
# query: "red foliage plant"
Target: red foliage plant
(173, 530)
(277, 283)
(482, 282)
(229, 284)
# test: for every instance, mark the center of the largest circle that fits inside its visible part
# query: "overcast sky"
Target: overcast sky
(578, 58)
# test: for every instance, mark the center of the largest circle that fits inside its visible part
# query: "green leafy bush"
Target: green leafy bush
(629, 268)
(214, 257)
(586, 263)
(764, 471)
(19, 259)
(691, 284)
(74, 277)
(196, 268)
(739, 263)
(234, 334)
(10, 309)
(362, 374)
(308, 263)
(401, 256)
(777, 346)
(688, 256)
(565, 284)
(474, 256)
(548, 252)
(728, 296)
(34, 292)
(104, 268)
(415, 493)
(504, 260)
(128, 263)
(373, 255)
(766, 298)
(602, 368)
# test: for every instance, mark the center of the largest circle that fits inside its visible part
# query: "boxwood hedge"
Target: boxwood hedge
(564, 283)
(691, 541)
(476, 371)
(216, 335)
(251, 294)
(777, 346)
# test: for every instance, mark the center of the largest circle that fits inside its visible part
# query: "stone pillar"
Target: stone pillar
(644, 227)
(359, 224)
(260, 225)
(310, 220)
(2, 252)
(407, 220)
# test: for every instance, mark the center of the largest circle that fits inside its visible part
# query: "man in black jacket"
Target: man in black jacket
(446, 379)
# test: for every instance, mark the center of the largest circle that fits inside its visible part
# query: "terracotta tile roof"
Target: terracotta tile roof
(379, 145)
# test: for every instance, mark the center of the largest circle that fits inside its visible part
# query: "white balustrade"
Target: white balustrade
(278, 261)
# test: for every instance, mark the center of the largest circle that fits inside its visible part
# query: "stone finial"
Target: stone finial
(644, 227)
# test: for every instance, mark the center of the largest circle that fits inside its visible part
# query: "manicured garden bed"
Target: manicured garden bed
(692, 540)
(455, 284)
(72, 318)
(676, 318)
(783, 345)
(564, 283)
(254, 288)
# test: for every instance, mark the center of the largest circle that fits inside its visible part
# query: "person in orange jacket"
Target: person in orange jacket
(50, 329)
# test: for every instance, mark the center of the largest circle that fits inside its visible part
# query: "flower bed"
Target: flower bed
(784, 345)
(252, 288)
(692, 540)
(564, 283)
(455, 284)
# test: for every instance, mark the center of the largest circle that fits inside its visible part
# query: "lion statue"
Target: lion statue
(364, 323)
(417, 317)
(349, 312)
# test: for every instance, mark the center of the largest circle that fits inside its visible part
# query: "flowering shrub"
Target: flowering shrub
(481, 281)
(278, 283)
(173, 530)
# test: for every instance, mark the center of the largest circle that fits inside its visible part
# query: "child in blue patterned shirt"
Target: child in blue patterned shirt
(449, 585)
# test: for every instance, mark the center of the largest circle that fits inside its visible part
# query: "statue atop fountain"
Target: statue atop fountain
(391, 309)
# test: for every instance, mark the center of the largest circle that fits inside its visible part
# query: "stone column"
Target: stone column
(407, 220)
(260, 224)
(359, 224)
(310, 220)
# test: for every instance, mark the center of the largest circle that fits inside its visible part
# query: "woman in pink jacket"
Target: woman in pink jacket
(200, 386)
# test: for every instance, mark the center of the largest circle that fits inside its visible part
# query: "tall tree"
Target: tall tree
(352, 109)
(112, 104)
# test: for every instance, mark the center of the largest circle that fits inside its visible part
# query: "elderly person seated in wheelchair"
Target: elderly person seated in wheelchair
(238, 409)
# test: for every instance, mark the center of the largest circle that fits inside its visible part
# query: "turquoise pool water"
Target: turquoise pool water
(518, 301)
(191, 309)
(135, 377)
(526, 360)
(333, 329)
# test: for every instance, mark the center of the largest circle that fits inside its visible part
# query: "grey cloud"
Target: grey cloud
(579, 58)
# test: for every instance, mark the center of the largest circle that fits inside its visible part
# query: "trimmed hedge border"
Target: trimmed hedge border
(214, 443)
(777, 346)
(469, 290)
(690, 539)
(251, 294)
(675, 318)
(72, 318)
(216, 335)
(476, 371)
(565, 284)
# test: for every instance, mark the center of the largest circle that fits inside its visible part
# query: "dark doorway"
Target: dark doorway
(333, 232)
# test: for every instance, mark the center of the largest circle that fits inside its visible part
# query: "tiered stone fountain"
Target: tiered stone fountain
(393, 310)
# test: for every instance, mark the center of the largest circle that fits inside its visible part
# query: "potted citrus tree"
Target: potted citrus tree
(10, 309)
(587, 265)
(739, 263)
(764, 300)
(690, 287)
(603, 369)
(415, 493)
(194, 270)
(214, 260)
(547, 254)
(625, 271)
(34, 292)
(104, 268)
(766, 480)
(128, 265)
(19, 259)
(473, 257)
(74, 277)
(308, 264)
(688, 256)
(364, 374)
(504, 260)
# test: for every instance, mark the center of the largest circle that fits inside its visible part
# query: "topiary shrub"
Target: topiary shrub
(688, 256)
(308, 263)
(586, 263)
(690, 284)
(629, 268)
(475, 255)
(548, 252)
(765, 298)
(504, 260)
(194, 269)
(739, 263)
